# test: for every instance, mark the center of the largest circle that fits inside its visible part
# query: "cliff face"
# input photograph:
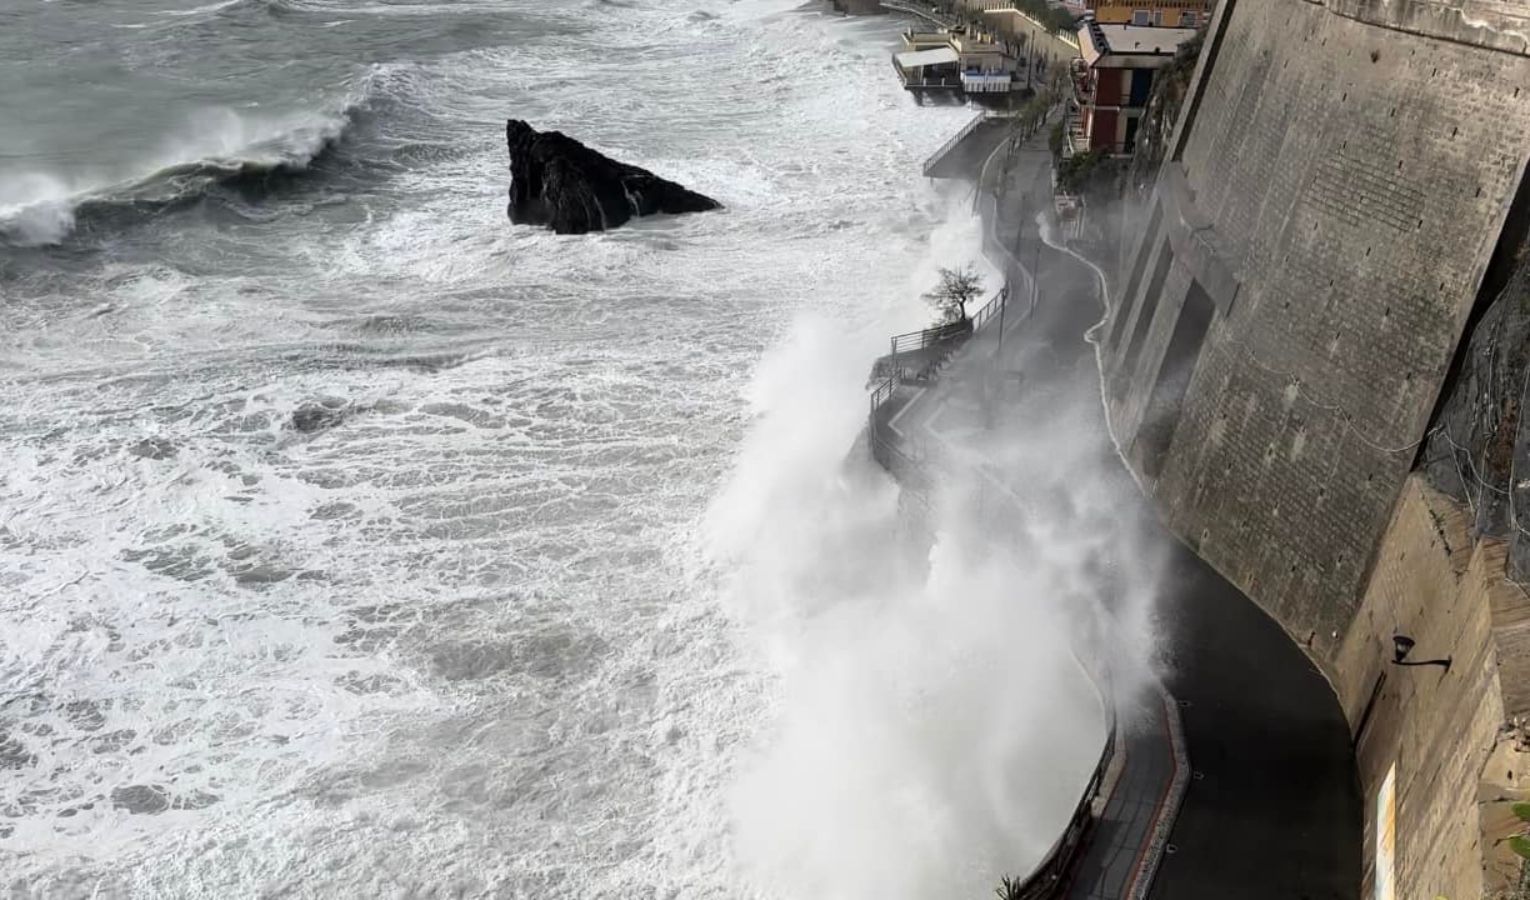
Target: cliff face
(558, 182)
(1478, 447)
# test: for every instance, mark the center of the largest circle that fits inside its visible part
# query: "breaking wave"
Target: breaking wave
(225, 149)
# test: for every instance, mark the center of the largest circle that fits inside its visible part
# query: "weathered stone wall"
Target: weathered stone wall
(1341, 177)
(1437, 729)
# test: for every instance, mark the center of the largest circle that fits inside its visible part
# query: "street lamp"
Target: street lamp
(1402, 644)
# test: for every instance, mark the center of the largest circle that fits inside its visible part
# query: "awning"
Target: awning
(918, 58)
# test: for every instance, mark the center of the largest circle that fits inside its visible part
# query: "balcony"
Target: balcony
(1075, 134)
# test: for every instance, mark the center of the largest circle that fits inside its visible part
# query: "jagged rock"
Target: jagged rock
(558, 182)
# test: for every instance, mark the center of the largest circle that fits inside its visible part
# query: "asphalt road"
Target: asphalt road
(1274, 809)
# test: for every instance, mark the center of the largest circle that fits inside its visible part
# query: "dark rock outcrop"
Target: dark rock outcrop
(558, 182)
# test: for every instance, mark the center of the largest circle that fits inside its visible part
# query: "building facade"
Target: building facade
(1112, 81)
(1162, 13)
(973, 60)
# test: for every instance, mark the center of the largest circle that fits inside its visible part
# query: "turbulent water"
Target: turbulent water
(355, 543)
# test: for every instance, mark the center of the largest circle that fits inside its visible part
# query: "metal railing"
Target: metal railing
(909, 461)
(947, 338)
(934, 158)
(930, 337)
(1051, 874)
(923, 10)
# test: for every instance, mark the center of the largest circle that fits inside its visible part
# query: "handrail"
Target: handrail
(1052, 872)
(1050, 875)
(934, 159)
(929, 337)
(910, 9)
(952, 334)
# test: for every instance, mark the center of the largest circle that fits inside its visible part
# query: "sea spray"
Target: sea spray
(939, 704)
(448, 645)
(933, 727)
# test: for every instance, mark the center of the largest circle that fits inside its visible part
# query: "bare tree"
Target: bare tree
(957, 288)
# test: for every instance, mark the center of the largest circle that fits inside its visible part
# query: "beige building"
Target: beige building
(975, 61)
(1164, 13)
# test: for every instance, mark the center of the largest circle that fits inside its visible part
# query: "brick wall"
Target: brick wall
(1347, 181)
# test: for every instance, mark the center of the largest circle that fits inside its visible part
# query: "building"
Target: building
(1112, 81)
(1162, 13)
(971, 60)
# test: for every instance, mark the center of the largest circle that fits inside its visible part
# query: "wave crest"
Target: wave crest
(220, 147)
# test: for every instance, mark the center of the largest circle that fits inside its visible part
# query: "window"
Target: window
(1142, 17)
(1187, 19)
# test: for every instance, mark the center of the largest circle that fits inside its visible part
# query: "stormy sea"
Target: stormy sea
(356, 543)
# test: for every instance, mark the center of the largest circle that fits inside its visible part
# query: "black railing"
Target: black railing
(1050, 876)
(907, 460)
(951, 332)
(944, 340)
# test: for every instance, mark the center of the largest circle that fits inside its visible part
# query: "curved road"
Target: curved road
(1274, 807)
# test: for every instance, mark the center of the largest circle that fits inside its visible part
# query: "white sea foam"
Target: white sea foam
(36, 208)
(470, 629)
(40, 208)
(931, 727)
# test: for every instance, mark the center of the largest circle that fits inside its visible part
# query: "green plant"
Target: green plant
(1076, 170)
(1520, 843)
(1053, 18)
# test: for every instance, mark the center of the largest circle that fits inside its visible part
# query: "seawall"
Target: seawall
(1329, 225)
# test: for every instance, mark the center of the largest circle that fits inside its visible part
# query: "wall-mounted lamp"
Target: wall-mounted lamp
(1402, 644)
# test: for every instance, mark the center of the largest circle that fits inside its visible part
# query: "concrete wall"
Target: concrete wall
(1298, 285)
(1436, 729)
(1338, 189)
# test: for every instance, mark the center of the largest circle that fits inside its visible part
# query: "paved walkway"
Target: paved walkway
(1149, 773)
(975, 148)
(1132, 829)
(1271, 807)
(982, 384)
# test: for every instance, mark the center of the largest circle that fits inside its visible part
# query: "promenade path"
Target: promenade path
(1270, 807)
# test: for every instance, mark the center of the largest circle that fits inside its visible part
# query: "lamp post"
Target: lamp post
(1003, 303)
(1402, 644)
(1036, 264)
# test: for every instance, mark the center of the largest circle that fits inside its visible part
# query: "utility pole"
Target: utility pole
(1019, 234)
(1036, 264)
(1003, 305)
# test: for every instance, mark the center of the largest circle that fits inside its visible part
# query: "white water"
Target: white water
(593, 606)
